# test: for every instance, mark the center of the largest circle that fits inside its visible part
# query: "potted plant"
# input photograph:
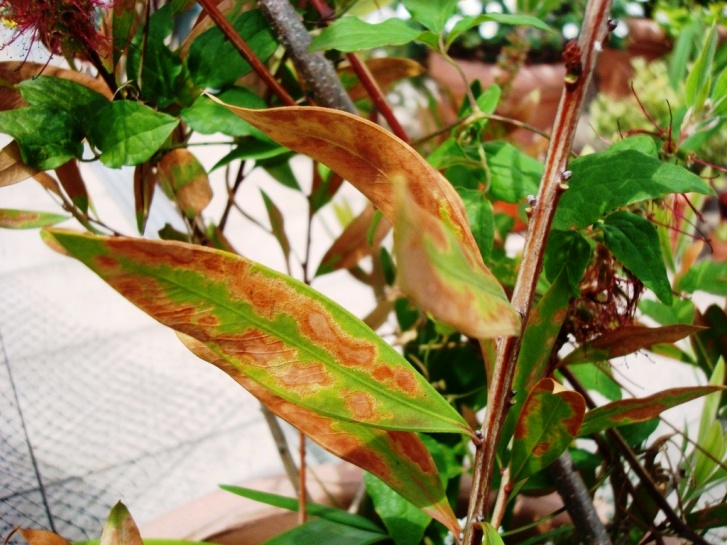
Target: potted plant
(499, 355)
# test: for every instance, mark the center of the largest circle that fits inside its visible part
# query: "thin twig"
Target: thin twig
(552, 185)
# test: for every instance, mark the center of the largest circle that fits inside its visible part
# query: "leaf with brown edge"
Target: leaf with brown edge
(12, 167)
(446, 277)
(120, 528)
(69, 175)
(630, 411)
(549, 421)
(365, 154)
(284, 335)
(41, 537)
(28, 219)
(353, 245)
(627, 340)
(185, 180)
(398, 458)
(386, 71)
(144, 182)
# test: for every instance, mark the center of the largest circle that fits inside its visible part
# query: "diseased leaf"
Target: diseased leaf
(627, 340)
(349, 34)
(352, 245)
(184, 180)
(12, 167)
(604, 181)
(446, 278)
(120, 528)
(284, 335)
(26, 219)
(549, 421)
(634, 242)
(629, 411)
(707, 276)
(385, 70)
(72, 182)
(41, 537)
(406, 524)
(400, 459)
(124, 24)
(129, 133)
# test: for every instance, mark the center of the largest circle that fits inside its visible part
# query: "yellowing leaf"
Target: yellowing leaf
(447, 278)
(120, 528)
(282, 334)
(398, 458)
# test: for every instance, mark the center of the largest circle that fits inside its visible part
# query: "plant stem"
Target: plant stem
(210, 7)
(580, 62)
(317, 73)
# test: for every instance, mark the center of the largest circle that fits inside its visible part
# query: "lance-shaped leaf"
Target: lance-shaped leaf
(69, 175)
(277, 224)
(713, 516)
(284, 335)
(385, 70)
(120, 528)
(630, 411)
(446, 278)
(398, 458)
(41, 537)
(28, 219)
(627, 340)
(549, 421)
(365, 154)
(184, 179)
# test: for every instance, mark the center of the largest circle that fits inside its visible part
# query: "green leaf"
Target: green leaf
(77, 100)
(207, 116)
(470, 22)
(541, 333)
(713, 516)
(707, 276)
(482, 219)
(406, 524)
(634, 241)
(681, 311)
(321, 531)
(48, 137)
(515, 175)
(277, 224)
(27, 219)
(719, 95)
(710, 437)
(567, 251)
(313, 509)
(549, 421)
(697, 86)
(597, 377)
(490, 535)
(215, 63)
(433, 15)
(282, 334)
(129, 133)
(629, 411)
(350, 34)
(604, 181)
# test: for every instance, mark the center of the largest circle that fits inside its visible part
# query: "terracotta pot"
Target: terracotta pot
(533, 98)
(646, 39)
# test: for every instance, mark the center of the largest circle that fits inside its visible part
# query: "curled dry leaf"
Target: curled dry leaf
(12, 167)
(400, 459)
(386, 71)
(41, 537)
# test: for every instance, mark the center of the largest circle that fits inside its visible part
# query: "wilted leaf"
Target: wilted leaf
(386, 71)
(41, 537)
(446, 278)
(398, 458)
(352, 245)
(12, 167)
(120, 528)
(627, 340)
(629, 411)
(284, 335)
(70, 178)
(549, 421)
(184, 180)
(27, 219)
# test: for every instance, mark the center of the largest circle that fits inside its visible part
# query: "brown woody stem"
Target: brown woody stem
(581, 61)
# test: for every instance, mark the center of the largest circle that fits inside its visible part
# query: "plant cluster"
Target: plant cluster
(503, 367)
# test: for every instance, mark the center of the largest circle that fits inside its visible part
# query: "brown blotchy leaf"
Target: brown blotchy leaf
(386, 71)
(183, 177)
(352, 245)
(41, 537)
(13, 72)
(12, 167)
